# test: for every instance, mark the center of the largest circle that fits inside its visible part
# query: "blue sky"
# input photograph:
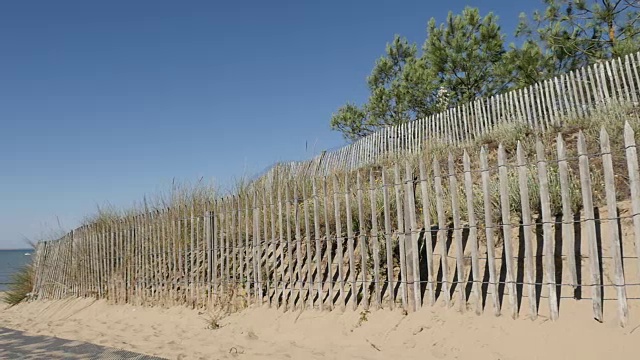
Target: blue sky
(106, 102)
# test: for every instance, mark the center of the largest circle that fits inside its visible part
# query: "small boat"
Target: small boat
(27, 254)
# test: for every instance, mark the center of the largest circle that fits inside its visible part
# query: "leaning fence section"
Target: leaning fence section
(542, 107)
(505, 231)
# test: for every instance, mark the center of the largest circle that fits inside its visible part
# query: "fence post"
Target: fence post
(549, 241)
(375, 239)
(587, 201)
(489, 228)
(457, 234)
(506, 230)
(612, 208)
(473, 233)
(442, 231)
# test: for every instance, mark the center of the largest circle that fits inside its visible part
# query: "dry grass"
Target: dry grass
(20, 287)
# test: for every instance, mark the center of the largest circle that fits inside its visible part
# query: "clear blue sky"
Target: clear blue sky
(108, 101)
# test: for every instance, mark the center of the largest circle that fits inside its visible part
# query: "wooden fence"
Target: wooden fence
(542, 106)
(534, 225)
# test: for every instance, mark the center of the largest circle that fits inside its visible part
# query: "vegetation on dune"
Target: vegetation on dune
(20, 287)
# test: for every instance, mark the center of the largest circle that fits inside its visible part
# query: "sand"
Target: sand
(260, 333)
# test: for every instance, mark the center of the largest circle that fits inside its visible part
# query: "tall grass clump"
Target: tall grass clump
(20, 287)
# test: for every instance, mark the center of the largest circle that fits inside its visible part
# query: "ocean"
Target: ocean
(10, 261)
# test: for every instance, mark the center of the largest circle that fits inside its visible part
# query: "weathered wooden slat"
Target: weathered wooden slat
(248, 248)
(468, 131)
(339, 242)
(457, 234)
(414, 233)
(587, 201)
(258, 239)
(200, 261)
(612, 208)
(49, 254)
(224, 245)
(473, 234)
(162, 231)
(298, 237)
(279, 271)
(317, 235)
(442, 232)
(267, 241)
(192, 257)
(96, 264)
(578, 102)
(350, 242)
(634, 182)
(603, 82)
(362, 243)
(288, 300)
(550, 103)
(120, 264)
(153, 241)
(565, 92)
(271, 249)
(527, 224)
(567, 212)
(623, 80)
(308, 250)
(513, 115)
(585, 100)
(547, 233)
(629, 79)
(519, 106)
(329, 248)
(401, 236)
(589, 85)
(489, 230)
(484, 116)
(240, 248)
(157, 282)
(560, 112)
(541, 113)
(573, 78)
(148, 251)
(607, 65)
(207, 254)
(527, 108)
(387, 230)
(505, 210)
(595, 86)
(215, 251)
(375, 239)
(453, 114)
(634, 66)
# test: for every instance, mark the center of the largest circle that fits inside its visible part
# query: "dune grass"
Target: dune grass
(20, 287)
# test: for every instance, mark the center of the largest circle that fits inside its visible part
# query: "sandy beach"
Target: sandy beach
(259, 333)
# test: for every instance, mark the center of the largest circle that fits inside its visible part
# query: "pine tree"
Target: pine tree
(466, 54)
(400, 86)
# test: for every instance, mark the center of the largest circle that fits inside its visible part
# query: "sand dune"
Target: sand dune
(260, 333)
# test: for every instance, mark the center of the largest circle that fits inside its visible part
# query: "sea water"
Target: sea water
(10, 262)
